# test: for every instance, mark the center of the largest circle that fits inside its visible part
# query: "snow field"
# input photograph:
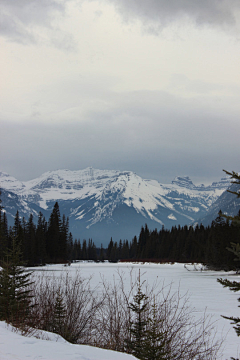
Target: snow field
(205, 296)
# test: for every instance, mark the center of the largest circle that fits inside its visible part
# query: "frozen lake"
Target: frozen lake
(205, 294)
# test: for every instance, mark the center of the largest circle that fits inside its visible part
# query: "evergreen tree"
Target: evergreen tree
(114, 253)
(233, 285)
(235, 249)
(101, 255)
(3, 231)
(63, 238)
(70, 247)
(138, 327)
(17, 225)
(53, 234)
(40, 241)
(77, 250)
(125, 250)
(235, 219)
(91, 250)
(15, 296)
(30, 243)
(59, 314)
(109, 249)
(84, 250)
(18, 231)
(133, 248)
(155, 348)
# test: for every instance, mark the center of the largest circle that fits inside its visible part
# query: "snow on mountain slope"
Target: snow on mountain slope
(10, 183)
(92, 196)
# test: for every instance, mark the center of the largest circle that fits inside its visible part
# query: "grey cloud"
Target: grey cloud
(155, 14)
(19, 18)
(152, 133)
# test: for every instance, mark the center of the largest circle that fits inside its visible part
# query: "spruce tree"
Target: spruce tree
(156, 342)
(53, 234)
(3, 232)
(147, 339)
(101, 255)
(63, 237)
(30, 242)
(233, 285)
(40, 241)
(138, 327)
(15, 295)
(70, 247)
(235, 249)
(59, 314)
(109, 249)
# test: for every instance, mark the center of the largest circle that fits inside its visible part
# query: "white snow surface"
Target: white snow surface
(14, 346)
(205, 296)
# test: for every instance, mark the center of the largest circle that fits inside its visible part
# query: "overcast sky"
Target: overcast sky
(148, 86)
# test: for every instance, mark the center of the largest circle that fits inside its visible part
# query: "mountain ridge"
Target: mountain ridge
(105, 203)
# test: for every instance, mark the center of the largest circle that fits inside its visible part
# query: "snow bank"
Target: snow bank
(18, 347)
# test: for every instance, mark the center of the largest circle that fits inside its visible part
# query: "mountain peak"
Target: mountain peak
(105, 203)
(183, 181)
(10, 182)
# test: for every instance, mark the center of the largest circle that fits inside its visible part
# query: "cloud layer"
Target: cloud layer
(156, 14)
(161, 106)
(23, 20)
(152, 133)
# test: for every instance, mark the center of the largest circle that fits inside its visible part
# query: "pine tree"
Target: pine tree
(84, 250)
(15, 295)
(138, 327)
(40, 242)
(3, 233)
(59, 314)
(235, 219)
(109, 249)
(155, 344)
(53, 234)
(62, 243)
(233, 285)
(147, 339)
(30, 242)
(70, 247)
(235, 249)
(101, 255)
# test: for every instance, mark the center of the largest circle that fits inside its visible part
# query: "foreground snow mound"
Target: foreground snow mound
(18, 347)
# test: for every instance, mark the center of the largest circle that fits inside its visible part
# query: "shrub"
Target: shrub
(107, 317)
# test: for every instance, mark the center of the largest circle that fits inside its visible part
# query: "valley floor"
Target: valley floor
(205, 296)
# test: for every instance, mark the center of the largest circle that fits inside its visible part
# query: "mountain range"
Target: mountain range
(102, 204)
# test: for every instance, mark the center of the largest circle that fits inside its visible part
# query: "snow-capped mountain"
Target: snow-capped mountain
(228, 203)
(105, 203)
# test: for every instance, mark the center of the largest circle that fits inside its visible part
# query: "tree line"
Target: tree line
(207, 245)
(51, 241)
(46, 241)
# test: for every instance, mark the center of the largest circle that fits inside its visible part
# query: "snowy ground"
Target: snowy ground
(17, 347)
(204, 291)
